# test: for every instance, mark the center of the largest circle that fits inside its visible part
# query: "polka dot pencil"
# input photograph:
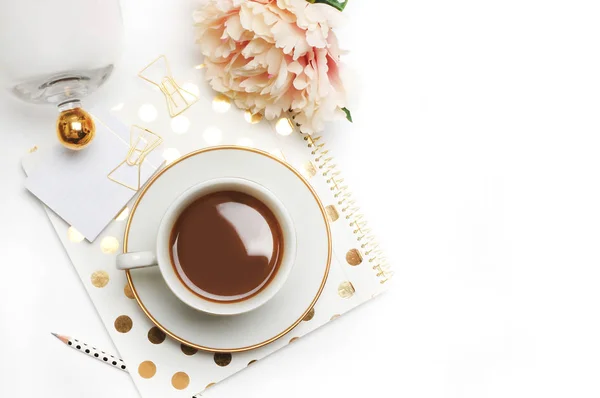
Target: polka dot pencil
(97, 354)
(92, 352)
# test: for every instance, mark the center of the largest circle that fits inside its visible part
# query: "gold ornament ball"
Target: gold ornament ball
(75, 128)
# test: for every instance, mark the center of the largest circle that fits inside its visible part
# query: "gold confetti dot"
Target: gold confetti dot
(310, 315)
(251, 362)
(33, 149)
(128, 292)
(334, 317)
(332, 213)
(180, 124)
(180, 380)
(222, 359)
(171, 154)
(200, 66)
(100, 278)
(74, 235)
(209, 385)
(123, 324)
(221, 103)
(284, 126)
(309, 170)
(346, 290)
(156, 336)
(293, 339)
(353, 257)
(147, 369)
(212, 135)
(123, 214)
(252, 118)
(147, 113)
(109, 245)
(187, 350)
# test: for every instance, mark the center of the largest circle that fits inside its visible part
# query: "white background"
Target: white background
(474, 153)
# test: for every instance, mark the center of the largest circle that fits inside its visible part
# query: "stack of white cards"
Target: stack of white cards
(88, 188)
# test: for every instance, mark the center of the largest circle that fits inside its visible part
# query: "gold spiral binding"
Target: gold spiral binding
(324, 162)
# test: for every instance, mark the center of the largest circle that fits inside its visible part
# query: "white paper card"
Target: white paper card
(88, 188)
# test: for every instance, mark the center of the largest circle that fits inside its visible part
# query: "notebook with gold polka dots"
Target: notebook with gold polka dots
(160, 362)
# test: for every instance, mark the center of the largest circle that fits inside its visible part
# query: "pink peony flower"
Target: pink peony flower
(274, 57)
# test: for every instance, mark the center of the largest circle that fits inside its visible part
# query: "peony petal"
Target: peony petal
(234, 27)
(295, 67)
(315, 38)
(300, 82)
(255, 47)
(274, 59)
(282, 75)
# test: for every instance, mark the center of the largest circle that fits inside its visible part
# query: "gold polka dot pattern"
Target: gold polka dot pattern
(128, 292)
(187, 350)
(147, 369)
(123, 324)
(310, 315)
(100, 279)
(156, 336)
(332, 213)
(346, 290)
(109, 245)
(74, 235)
(180, 380)
(353, 257)
(222, 359)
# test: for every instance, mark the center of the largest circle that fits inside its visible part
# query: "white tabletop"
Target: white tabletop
(474, 152)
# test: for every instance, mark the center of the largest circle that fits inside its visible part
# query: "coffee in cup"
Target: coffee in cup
(225, 246)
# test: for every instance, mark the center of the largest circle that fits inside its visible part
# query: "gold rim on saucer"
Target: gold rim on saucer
(289, 328)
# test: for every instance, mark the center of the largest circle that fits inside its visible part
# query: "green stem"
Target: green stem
(339, 4)
(348, 114)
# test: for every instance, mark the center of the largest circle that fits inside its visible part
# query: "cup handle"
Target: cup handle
(136, 260)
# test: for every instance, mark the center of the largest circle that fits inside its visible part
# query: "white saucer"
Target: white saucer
(289, 306)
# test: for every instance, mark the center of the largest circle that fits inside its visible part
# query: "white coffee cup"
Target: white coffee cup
(161, 254)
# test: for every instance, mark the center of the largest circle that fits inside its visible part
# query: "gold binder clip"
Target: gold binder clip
(158, 73)
(141, 142)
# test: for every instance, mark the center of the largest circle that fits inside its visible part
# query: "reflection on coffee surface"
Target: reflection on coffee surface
(226, 246)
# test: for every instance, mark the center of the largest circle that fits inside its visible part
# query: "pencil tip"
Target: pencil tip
(60, 337)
